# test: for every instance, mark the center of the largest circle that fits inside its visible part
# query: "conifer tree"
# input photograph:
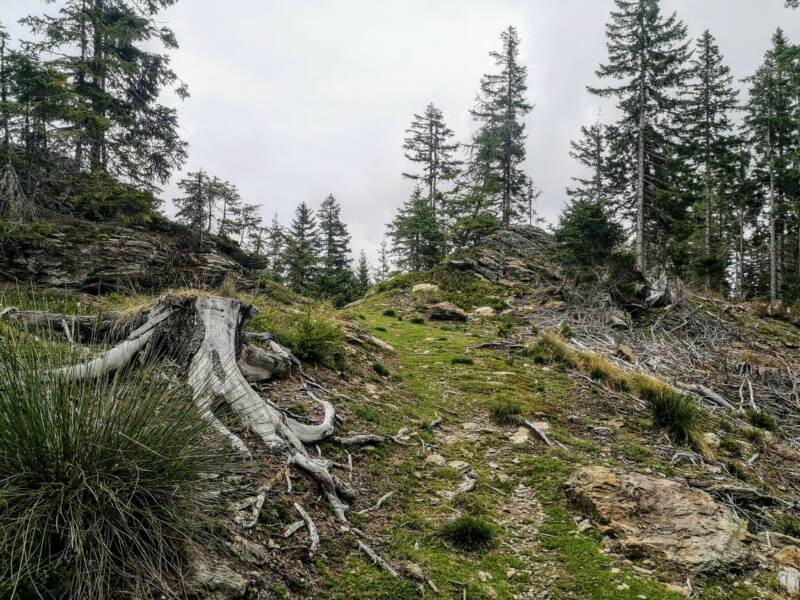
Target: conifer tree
(417, 239)
(498, 146)
(193, 206)
(335, 274)
(302, 254)
(708, 145)
(429, 143)
(591, 153)
(647, 56)
(105, 48)
(362, 274)
(384, 262)
(772, 131)
(274, 247)
(231, 204)
(586, 236)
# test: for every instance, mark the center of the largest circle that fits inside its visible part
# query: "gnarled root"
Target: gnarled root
(206, 331)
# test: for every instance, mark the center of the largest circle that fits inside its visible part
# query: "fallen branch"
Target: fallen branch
(377, 560)
(539, 433)
(312, 528)
(377, 505)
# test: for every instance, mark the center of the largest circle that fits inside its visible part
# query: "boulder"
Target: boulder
(425, 288)
(619, 319)
(789, 580)
(445, 311)
(484, 311)
(660, 519)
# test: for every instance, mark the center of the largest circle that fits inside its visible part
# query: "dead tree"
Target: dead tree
(204, 335)
(14, 205)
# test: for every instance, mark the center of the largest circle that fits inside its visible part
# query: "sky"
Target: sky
(292, 100)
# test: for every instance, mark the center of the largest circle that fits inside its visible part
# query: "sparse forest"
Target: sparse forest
(202, 400)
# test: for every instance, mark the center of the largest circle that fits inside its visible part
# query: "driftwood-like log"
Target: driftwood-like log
(705, 392)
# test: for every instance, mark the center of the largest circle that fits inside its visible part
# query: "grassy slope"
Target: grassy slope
(562, 561)
(537, 547)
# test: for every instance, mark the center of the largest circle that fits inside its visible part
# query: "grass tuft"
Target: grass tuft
(101, 483)
(390, 312)
(380, 369)
(761, 420)
(505, 410)
(468, 533)
(556, 347)
(417, 320)
(462, 360)
(676, 413)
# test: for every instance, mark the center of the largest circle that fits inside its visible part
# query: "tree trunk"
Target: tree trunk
(641, 258)
(773, 256)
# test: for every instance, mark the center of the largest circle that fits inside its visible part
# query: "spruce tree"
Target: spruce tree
(417, 239)
(708, 145)
(302, 254)
(384, 262)
(105, 48)
(647, 57)
(591, 153)
(362, 274)
(274, 247)
(231, 203)
(498, 146)
(429, 143)
(335, 275)
(193, 206)
(586, 236)
(772, 132)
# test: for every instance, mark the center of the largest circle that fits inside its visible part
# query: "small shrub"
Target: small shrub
(756, 437)
(462, 360)
(730, 445)
(737, 471)
(506, 327)
(788, 525)
(468, 533)
(312, 335)
(761, 420)
(566, 331)
(676, 413)
(380, 369)
(417, 320)
(538, 354)
(390, 312)
(505, 410)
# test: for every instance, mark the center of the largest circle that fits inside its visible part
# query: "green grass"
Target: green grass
(468, 533)
(390, 312)
(462, 360)
(311, 334)
(676, 413)
(381, 369)
(505, 410)
(417, 320)
(761, 420)
(99, 481)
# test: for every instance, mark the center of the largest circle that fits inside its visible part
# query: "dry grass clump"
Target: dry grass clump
(558, 349)
(602, 369)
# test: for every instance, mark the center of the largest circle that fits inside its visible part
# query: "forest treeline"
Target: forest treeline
(696, 173)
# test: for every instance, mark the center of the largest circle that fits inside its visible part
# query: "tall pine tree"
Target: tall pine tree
(335, 276)
(429, 143)
(647, 57)
(302, 254)
(274, 247)
(362, 274)
(417, 240)
(709, 147)
(498, 146)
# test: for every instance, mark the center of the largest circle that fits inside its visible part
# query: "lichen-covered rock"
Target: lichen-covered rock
(425, 288)
(660, 519)
(94, 257)
(445, 311)
(215, 582)
(484, 311)
(511, 256)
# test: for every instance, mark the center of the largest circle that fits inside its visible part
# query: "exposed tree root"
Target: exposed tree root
(205, 334)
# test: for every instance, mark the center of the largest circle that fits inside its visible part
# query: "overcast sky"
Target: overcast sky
(295, 99)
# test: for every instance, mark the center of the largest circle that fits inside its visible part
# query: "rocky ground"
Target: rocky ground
(585, 497)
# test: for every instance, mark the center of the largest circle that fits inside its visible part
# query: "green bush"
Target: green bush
(676, 413)
(100, 482)
(417, 320)
(390, 312)
(468, 533)
(789, 525)
(761, 420)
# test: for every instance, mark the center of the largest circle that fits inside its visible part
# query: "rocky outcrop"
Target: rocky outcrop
(93, 257)
(663, 520)
(511, 256)
(445, 311)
